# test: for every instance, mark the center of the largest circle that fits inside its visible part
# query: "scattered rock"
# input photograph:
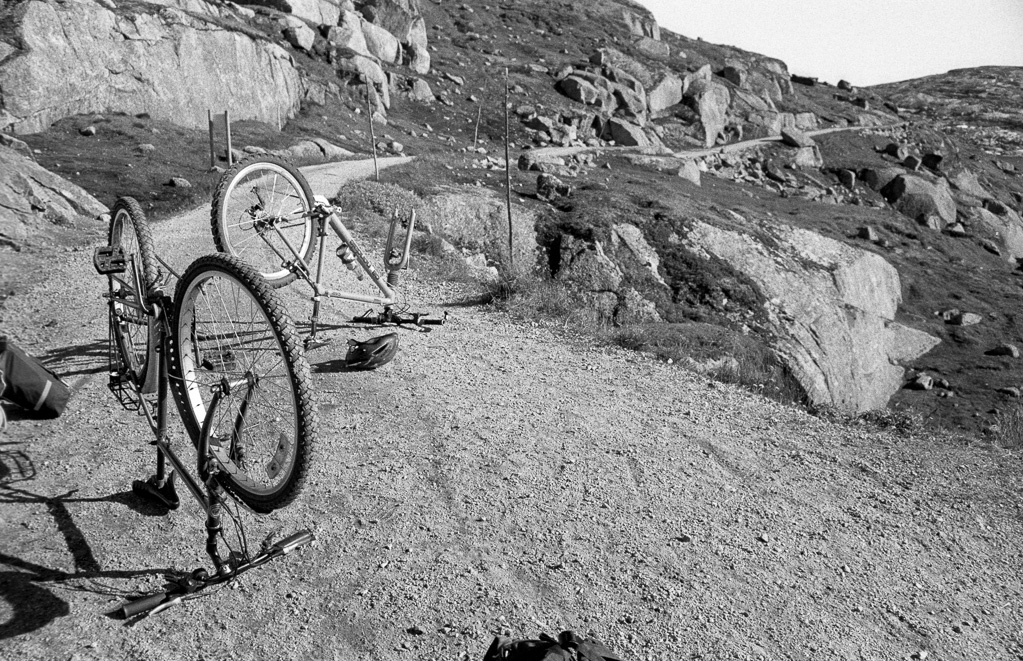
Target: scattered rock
(690, 171)
(550, 188)
(917, 198)
(1010, 350)
(847, 178)
(796, 138)
(1011, 391)
(179, 182)
(88, 130)
(957, 318)
(921, 382)
(956, 229)
(867, 233)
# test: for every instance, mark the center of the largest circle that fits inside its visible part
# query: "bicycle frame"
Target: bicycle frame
(323, 215)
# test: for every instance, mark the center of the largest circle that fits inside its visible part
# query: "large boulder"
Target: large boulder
(476, 219)
(710, 100)
(317, 12)
(33, 198)
(831, 306)
(664, 94)
(162, 61)
(627, 134)
(1005, 230)
(919, 199)
(404, 20)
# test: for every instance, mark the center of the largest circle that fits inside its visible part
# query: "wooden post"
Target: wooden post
(507, 174)
(213, 145)
(227, 127)
(372, 132)
(476, 133)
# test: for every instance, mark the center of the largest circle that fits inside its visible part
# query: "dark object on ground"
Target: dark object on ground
(26, 382)
(372, 353)
(568, 646)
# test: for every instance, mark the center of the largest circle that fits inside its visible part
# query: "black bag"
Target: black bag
(568, 646)
(26, 382)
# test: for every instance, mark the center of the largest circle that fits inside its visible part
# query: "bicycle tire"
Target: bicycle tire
(228, 324)
(130, 231)
(256, 189)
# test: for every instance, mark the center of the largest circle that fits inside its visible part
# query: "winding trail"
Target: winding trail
(504, 476)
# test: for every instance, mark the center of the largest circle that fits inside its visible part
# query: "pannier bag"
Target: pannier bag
(26, 382)
(568, 646)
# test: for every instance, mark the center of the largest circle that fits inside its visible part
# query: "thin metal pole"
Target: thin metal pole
(372, 133)
(476, 133)
(507, 173)
(213, 145)
(227, 127)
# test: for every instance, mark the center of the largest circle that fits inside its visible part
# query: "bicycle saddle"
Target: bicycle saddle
(372, 353)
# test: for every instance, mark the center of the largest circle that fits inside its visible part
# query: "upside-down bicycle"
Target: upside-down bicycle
(227, 352)
(264, 212)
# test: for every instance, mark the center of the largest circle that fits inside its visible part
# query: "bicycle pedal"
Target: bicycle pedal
(311, 343)
(109, 260)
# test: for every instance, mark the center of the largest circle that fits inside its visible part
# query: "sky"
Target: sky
(865, 42)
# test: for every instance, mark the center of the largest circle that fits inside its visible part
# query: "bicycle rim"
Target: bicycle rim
(130, 324)
(228, 327)
(260, 206)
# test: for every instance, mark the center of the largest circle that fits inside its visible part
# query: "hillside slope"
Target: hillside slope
(503, 477)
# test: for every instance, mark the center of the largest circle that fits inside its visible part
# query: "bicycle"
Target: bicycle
(226, 350)
(264, 212)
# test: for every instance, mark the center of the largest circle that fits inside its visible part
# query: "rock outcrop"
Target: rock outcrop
(32, 198)
(165, 62)
(832, 308)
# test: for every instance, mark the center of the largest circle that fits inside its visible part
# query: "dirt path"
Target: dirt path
(501, 476)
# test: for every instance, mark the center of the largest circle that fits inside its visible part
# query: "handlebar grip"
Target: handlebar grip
(289, 544)
(367, 319)
(133, 608)
(431, 322)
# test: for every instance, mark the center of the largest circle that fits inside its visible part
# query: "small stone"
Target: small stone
(1010, 350)
(415, 630)
(867, 233)
(179, 182)
(684, 538)
(762, 537)
(921, 382)
(957, 230)
(965, 319)
(1011, 391)
(911, 162)
(145, 148)
(87, 131)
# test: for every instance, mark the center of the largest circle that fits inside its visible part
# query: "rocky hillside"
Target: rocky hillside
(824, 244)
(983, 105)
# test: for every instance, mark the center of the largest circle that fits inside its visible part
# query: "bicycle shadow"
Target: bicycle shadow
(33, 606)
(77, 359)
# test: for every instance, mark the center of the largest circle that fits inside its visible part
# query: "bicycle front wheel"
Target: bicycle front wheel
(261, 214)
(130, 324)
(230, 333)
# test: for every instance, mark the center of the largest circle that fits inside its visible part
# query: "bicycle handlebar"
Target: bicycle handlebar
(162, 600)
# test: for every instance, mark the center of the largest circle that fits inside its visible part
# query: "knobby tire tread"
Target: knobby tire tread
(220, 238)
(150, 267)
(294, 358)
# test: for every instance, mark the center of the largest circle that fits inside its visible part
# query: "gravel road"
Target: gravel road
(502, 476)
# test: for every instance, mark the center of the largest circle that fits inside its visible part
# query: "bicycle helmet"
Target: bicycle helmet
(372, 353)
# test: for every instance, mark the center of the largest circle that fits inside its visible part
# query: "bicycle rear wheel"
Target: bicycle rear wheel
(130, 323)
(260, 206)
(230, 329)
